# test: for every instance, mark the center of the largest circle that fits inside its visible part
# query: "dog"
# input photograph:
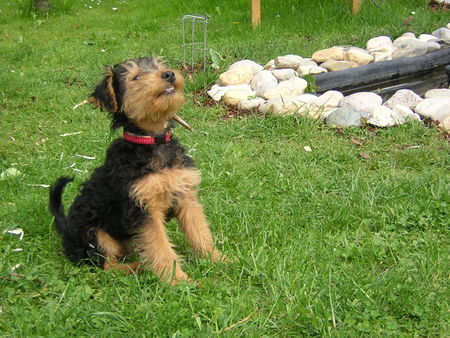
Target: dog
(147, 178)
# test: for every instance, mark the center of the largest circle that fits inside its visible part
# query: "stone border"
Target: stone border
(278, 87)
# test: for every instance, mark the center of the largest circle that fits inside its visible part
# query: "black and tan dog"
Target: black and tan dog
(146, 179)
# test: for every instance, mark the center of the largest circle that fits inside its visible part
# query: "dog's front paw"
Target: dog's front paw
(177, 278)
(182, 279)
(217, 257)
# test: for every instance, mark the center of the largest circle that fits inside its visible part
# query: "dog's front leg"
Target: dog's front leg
(152, 242)
(195, 227)
(155, 247)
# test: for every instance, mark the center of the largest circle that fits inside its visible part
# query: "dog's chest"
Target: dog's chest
(160, 190)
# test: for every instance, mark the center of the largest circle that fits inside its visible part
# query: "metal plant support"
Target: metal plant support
(192, 40)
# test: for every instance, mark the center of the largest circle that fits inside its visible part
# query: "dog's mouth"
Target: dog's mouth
(169, 90)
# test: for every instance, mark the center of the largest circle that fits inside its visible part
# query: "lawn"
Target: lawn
(349, 239)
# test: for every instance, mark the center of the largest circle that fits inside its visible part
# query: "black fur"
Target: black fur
(104, 200)
(56, 206)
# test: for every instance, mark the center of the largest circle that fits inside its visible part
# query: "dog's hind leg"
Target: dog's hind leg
(128, 268)
(195, 227)
(114, 249)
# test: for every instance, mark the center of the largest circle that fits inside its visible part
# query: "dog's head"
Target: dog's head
(144, 90)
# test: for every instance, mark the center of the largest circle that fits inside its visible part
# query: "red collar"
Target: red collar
(149, 140)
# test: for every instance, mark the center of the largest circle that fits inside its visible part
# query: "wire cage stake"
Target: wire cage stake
(194, 42)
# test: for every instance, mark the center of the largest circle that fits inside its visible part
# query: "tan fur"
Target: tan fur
(158, 250)
(95, 101)
(157, 192)
(195, 227)
(160, 190)
(129, 268)
(112, 248)
(145, 102)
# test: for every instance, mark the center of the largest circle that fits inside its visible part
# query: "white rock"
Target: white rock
(305, 98)
(284, 74)
(381, 56)
(265, 88)
(401, 38)
(311, 70)
(329, 99)
(445, 125)
(250, 104)
(442, 33)
(432, 46)
(438, 92)
(234, 96)
(313, 111)
(379, 44)
(428, 38)
(363, 101)
(263, 81)
(381, 117)
(239, 75)
(292, 107)
(264, 108)
(270, 65)
(317, 112)
(287, 89)
(328, 112)
(405, 36)
(409, 48)
(333, 53)
(437, 108)
(216, 92)
(288, 61)
(244, 63)
(358, 56)
(302, 105)
(405, 113)
(404, 97)
(345, 117)
(397, 117)
(409, 35)
(307, 62)
(10, 172)
(275, 106)
(334, 66)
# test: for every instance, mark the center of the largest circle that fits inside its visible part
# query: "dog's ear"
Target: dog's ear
(104, 95)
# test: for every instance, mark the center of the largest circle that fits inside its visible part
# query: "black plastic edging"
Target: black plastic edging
(371, 75)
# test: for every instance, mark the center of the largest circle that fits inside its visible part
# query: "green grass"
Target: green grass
(323, 243)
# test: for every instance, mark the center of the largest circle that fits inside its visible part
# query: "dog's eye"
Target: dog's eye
(137, 77)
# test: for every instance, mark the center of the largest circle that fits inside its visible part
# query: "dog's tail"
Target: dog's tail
(55, 203)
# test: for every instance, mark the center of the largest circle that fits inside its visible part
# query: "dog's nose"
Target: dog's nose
(169, 76)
